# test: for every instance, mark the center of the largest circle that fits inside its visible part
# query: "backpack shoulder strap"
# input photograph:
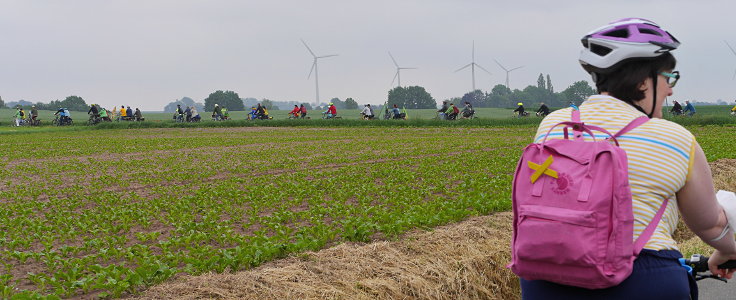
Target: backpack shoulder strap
(633, 124)
(577, 133)
(647, 233)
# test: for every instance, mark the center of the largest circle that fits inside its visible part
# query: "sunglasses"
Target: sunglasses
(674, 75)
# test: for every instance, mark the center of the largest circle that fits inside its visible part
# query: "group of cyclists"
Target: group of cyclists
(448, 111)
(98, 114)
(451, 112)
(541, 112)
(260, 112)
(190, 114)
(689, 109)
(300, 112)
(63, 117)
(22, 118)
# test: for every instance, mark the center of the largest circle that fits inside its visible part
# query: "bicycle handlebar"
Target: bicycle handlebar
(699, 264)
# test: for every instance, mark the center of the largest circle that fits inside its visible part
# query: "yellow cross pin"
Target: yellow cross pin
(542, 169)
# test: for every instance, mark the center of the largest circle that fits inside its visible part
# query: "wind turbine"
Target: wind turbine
(507, 72)
(472, 66)
(398, 70)
(734, 53)
(314, 68)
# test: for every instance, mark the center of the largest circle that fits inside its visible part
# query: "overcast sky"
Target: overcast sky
(148, 53)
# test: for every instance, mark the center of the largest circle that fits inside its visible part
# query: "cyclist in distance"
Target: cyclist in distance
(468, 111)
(676, 108)
(34, 115)
(294, 113)
(330, 112)
(397, 113)
(452, 112)
(20, 116)
(217, 113)
(631, 63)
(367, 112)
(689, 109)
(543, 110)
(520, 112)
(441, 112)
(93, 111)
(303, 111)
(123, 114)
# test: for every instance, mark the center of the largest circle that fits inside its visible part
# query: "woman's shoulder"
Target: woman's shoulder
(664, 125)
(667, 132)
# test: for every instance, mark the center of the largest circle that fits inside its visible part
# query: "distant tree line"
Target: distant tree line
(502, 96)
(74, 103)
(411, 97)
(184, 102)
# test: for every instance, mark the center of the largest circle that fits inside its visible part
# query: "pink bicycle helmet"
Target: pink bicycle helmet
(624, 40)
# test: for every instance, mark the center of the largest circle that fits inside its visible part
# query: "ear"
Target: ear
(644, 85)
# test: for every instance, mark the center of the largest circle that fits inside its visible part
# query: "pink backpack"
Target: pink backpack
(573, 219)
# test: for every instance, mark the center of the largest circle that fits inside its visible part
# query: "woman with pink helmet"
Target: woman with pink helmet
(633, 70)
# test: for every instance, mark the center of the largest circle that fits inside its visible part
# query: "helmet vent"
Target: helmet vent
(600, 50)
(621, 33)
(649, 31)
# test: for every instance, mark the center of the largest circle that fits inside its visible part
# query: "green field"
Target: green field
(86, 214)
(104, 211)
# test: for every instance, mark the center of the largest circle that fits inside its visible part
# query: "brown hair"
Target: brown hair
(623, 83)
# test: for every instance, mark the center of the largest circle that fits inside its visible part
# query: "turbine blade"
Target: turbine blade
(312, 69)
(397, 75)
(310, 50)
(331, 55)
(729, 47)
(406, 68)
(392, 58)
(484, 69)
(499, 64)
(468, 65)
(516, 68)
(473, 50)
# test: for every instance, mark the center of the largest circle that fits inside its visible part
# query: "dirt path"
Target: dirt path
(460, 261)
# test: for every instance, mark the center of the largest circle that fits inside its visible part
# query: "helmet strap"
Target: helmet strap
(654, 94)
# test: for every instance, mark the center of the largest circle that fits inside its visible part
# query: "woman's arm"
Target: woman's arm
(702, 213)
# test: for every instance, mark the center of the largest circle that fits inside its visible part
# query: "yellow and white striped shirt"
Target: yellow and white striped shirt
(660, 158)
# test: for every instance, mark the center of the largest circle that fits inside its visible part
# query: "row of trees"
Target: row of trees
(74, 103)
(499, 96)
(416, 97)
(184, 102)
